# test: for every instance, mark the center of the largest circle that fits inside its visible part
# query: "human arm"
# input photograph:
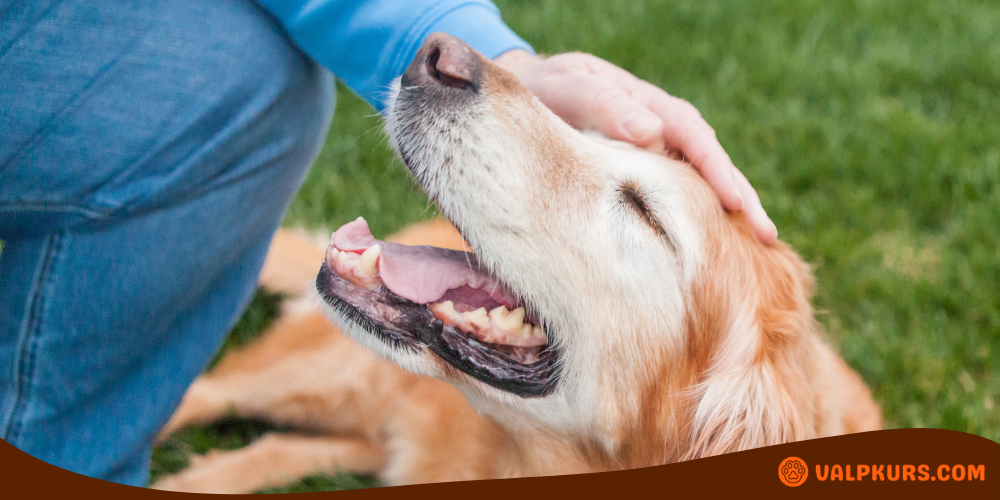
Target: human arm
(368, 43)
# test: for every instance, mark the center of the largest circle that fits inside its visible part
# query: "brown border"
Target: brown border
(746, 474)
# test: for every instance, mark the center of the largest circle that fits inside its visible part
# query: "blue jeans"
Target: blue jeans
(148, 151)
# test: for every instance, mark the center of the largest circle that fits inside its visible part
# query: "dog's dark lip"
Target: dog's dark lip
(415, 327)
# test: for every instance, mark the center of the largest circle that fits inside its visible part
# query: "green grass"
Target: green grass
(871, 130)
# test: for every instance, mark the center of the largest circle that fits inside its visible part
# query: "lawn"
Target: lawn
(871, 130)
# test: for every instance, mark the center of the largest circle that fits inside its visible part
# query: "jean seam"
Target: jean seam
(24, 362)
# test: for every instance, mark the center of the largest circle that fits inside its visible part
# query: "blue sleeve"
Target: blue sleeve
(367, 44)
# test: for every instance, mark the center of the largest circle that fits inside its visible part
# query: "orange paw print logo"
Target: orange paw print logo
(793, 471)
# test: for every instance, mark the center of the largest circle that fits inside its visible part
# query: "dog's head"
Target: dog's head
(644, 303)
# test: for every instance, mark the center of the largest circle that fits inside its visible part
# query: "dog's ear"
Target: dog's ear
(755, 392)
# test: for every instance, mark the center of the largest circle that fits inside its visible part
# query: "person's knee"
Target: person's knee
(261, 103)
(204, 94)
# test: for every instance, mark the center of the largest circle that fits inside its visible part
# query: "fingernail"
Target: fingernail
(640, 125)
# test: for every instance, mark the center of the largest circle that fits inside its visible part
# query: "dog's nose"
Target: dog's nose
(444, 60)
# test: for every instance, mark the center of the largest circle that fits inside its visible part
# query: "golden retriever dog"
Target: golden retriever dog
(609, 314)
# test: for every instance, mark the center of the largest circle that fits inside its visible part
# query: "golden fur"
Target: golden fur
(680, 335)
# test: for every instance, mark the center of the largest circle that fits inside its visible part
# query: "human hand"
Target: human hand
(591, 93)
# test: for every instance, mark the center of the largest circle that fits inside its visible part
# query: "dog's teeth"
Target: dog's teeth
(526, 332)
(446, 308)
(478, 317)
(517, 316)
(342, 258)
(538, 332)
(511, 321)
(449, 308)
(368, 260)
(499, 315)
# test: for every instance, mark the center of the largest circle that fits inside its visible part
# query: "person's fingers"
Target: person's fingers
(686, 131)
(765, 229)
(593, 102)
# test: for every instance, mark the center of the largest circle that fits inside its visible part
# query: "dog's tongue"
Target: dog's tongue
(420, 273)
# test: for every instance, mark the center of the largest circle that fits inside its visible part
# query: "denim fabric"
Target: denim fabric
(148, 150)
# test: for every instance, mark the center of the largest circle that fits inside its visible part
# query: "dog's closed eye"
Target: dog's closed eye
(631, 197)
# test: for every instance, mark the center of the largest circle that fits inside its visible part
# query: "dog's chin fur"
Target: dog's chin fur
(679, 334)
